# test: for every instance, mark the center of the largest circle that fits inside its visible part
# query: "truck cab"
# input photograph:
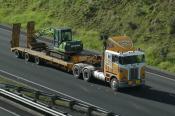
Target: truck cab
(124, 69)
(123, 64)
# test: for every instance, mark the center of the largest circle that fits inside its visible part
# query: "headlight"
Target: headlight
(142, 72)
(123, 74)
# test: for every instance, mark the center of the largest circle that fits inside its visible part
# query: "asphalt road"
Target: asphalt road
(7, 109)
(5, 112)
(157, 98)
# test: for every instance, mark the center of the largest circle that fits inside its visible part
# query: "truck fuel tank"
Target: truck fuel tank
(99, 75)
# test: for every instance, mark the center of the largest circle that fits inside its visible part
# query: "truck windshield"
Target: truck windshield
(131, 59)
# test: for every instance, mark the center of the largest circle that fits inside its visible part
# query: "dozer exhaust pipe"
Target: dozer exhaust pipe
(15, 35)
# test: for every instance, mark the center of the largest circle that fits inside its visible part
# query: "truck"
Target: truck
(121, 65)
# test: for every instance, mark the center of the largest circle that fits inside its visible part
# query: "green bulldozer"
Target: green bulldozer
(62, 40)
(64, 43)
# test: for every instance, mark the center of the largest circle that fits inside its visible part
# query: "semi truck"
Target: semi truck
(121, 65)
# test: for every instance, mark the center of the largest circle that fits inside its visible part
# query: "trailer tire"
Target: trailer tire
(27, 57)
(87, 75)
(17, 54)
(37, 60)
(114, 84)
(76, 72)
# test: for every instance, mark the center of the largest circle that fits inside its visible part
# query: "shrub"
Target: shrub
(165, 65)
(172, 25)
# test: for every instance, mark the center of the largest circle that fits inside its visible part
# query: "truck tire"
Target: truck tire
(114, 84)
(27, 57)
(76, 72)
(87, 75)
(37, 60)
(17, 54)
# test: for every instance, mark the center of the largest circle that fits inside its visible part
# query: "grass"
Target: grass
(9, 81)
(150, 23)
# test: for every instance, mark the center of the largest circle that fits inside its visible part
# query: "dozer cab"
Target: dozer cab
(64, 43)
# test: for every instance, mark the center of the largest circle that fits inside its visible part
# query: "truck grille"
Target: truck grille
(134, 73)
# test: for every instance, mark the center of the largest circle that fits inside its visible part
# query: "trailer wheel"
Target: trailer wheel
(17, 54)
(76, 72)
(87, 75)
(37, 60)
(114, 84)
(27, 57)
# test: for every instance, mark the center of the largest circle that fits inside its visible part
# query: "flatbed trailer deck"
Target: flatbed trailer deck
(43, 57)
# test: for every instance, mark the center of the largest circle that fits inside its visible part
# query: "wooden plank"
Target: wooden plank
(30, 32)
(15, 35)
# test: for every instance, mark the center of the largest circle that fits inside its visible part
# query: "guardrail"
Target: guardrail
(44, 102)
(31, 104)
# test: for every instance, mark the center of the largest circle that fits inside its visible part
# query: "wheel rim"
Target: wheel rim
(114, 84)
(86, 75)
(26, 57)
(76, 72)
(37, 60)
(16, 54)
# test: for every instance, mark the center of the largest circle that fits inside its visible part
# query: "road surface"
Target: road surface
(7, 109)
(156, 99)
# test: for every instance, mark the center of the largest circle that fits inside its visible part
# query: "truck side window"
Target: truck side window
(109, 57)
(56, 36)
(115, 58)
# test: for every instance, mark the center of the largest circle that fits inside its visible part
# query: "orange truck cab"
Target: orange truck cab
(123, 65)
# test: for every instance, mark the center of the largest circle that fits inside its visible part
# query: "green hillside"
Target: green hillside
(150, 23)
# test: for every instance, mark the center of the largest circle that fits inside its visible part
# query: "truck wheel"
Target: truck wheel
(17, 54)
(76, 72)
(27, 57)
(87, 75)
(114, 84)
(37, 60)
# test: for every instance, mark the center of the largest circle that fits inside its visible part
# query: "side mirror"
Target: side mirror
(104, 36)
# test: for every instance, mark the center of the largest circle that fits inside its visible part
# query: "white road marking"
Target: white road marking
(161, 76)
(20, 78)
(13, 113)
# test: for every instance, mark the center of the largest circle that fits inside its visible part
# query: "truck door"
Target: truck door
(109, 62)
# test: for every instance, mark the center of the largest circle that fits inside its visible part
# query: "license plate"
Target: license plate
(138, 82)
